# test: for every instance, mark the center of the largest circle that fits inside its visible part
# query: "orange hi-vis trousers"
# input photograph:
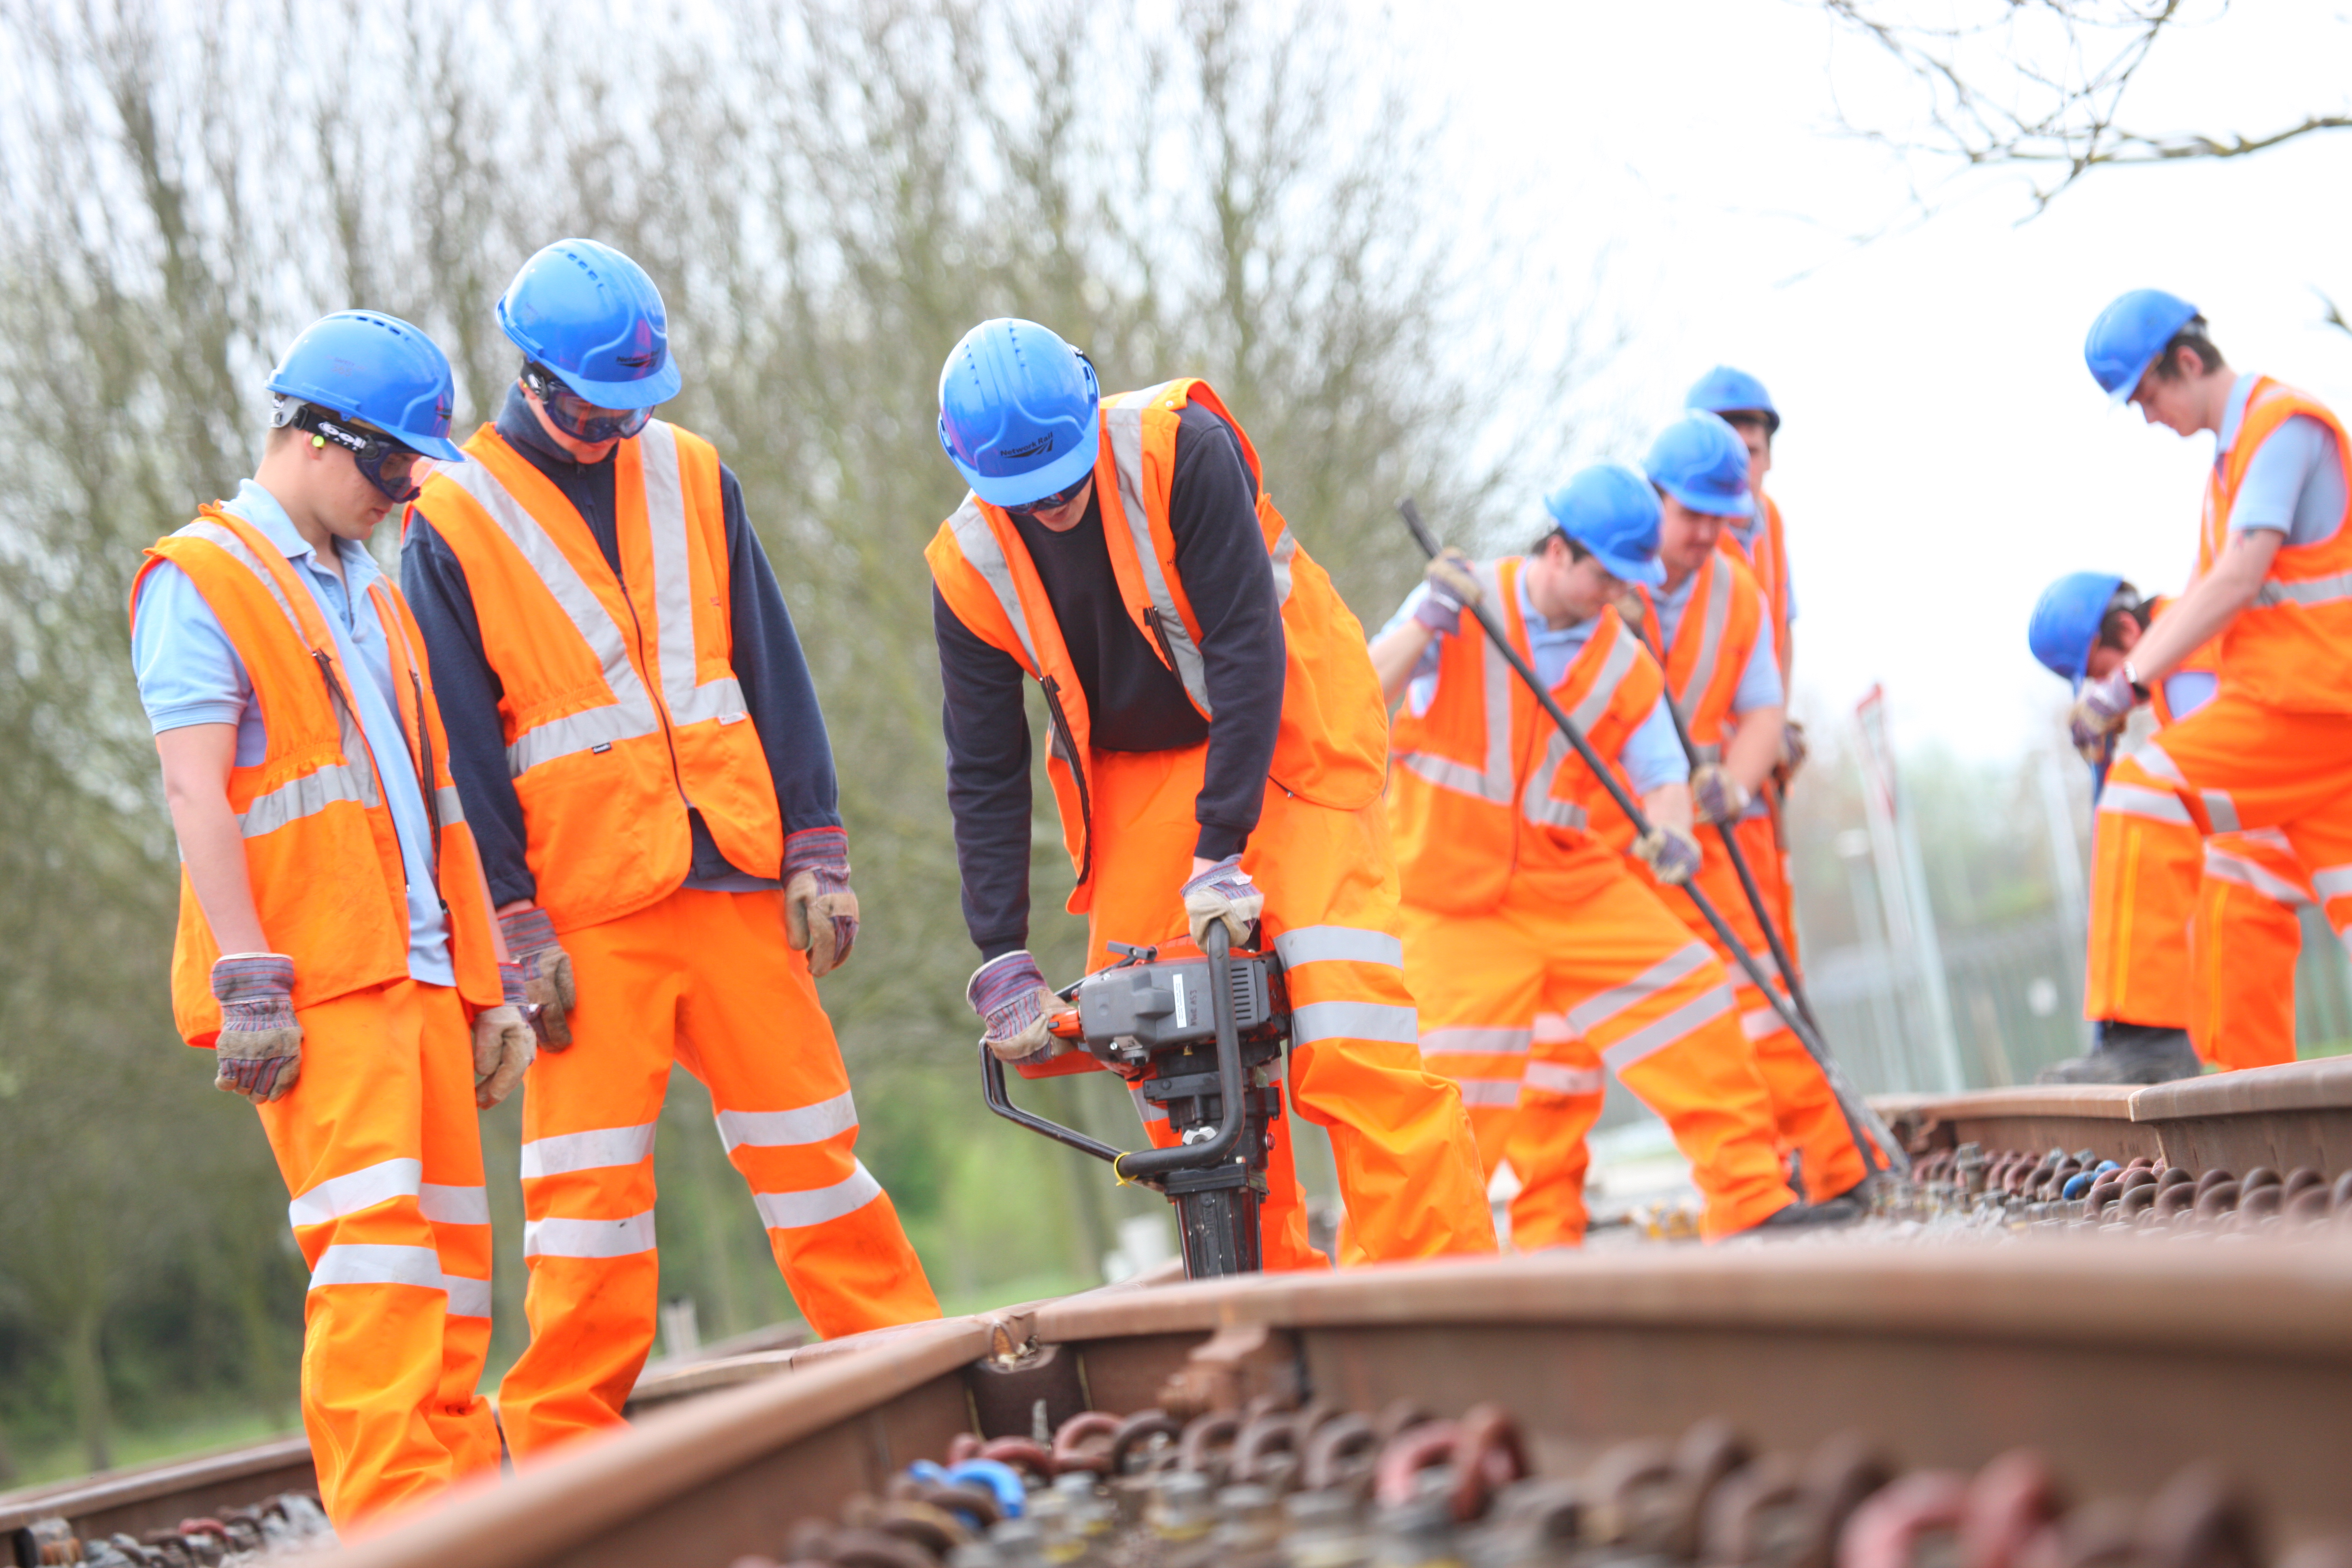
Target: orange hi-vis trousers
(703, 979)
(1804, 1108)
(2195, 933)
(1760, 841)
(2234, 766)
(1409, 1169)
(1625, 986)
(381, 1147)
(2243, 942)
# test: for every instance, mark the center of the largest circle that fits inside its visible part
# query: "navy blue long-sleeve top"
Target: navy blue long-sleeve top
(778, 693)
(1136, 703)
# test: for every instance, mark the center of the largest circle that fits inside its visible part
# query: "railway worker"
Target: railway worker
(335, 946)
(2193, 941)
(604, 622)
(1758, 539)
(1217, 751)
(1536, 954)
(1710, 620)
(2272, 749)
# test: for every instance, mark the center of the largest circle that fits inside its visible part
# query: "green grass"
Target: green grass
(147, 1445)
(2306, 1049)
(1028, 1287)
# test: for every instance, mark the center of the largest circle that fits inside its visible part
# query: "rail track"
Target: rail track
(2119, 1360)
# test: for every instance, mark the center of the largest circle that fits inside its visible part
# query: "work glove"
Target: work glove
(1716, 796)
(1222, 892)
(1793, 753)
(1014, 1002)
(546, 972)
(820, 912)
(2099, 715)
(1451, 586)
(504, 1046)
(1671, 854)
(259, 1052)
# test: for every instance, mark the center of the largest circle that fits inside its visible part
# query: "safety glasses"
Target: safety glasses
(389, 466)
(1049, 503)
(576, 415)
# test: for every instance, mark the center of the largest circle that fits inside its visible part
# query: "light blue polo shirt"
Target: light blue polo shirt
(2295, 482)
(1653, 757)
(190, 673)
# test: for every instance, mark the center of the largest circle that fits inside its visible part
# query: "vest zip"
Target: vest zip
(660, 706)
(424, 779)
(335, 694)
(1068, 742)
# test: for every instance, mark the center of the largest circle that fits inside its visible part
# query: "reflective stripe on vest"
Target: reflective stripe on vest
(1718, 588)
(1123, 422)
(1537, 802)
(631, 712)
(1494, 785)
(323, 786)
(985, 555)
(2308, 592)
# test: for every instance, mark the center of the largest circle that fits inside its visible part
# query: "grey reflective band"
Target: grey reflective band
(1353, 944)
(1123, 420)
(316, 791)
(2307, 591)
(1537, 802)
(305, 796)
(666, 522)
(1718, 588)
(631, 712)
(1476, 1040)
(1285, 545)
(1493, 785)
(978, 543)
(2224, 866)
(2138, 800)
(1602, 1006)
(1674, 1028)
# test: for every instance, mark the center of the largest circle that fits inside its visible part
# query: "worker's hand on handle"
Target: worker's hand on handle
(1671, 854)
(259, 1052)
(504, 1045)
(2099, 715)
(1716, 796)
(546, 972)
(1793, 753)
(1451, 586)
(1015, 1003)
(1223, 893)
(819, 910)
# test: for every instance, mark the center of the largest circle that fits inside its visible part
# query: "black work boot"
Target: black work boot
(2131, 1054)
(1815, 1216)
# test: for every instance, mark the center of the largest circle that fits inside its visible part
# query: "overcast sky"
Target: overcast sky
(1944, 452)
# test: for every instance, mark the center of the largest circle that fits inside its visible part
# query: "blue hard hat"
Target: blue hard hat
(1017, 412)
(2130, 335)
(1610, 509)
(2065, 624)
(590, 315)
(1724, 390)
(366, 365)
(1702, 462)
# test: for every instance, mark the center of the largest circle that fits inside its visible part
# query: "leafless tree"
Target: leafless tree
(2047, 85)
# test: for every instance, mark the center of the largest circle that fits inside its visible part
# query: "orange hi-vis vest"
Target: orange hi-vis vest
(321, 850)
(1331, 743)
(1712, 643)
(1769, 563)
(618, 694)
(1484, 786)
(2291, 647)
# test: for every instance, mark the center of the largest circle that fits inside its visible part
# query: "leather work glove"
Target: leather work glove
(1451, 586)
(504, 1046)
(1716, 796)
(546, 972)
(1014, 1002)
(1671, 855)
(2099, 715)
(820, 912)
(259, 1052)
(1222, 892)
(1793, 753)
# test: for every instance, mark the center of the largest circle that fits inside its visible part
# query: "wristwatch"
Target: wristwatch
(2131, 679)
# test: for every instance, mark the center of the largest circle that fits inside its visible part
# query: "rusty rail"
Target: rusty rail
(2299, 1113)
(155, 1497)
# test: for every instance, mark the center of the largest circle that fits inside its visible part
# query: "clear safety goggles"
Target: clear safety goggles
(391, 467)
(576, 415)
(1047, 503)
